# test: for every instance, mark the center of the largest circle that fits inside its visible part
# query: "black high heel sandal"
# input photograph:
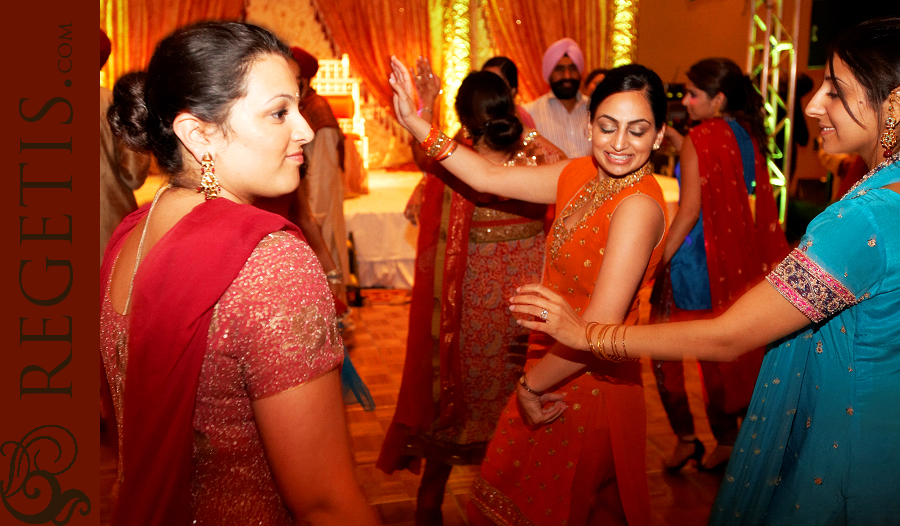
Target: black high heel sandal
(697, 456)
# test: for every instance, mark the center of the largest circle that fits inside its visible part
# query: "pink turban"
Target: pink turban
(556, 51)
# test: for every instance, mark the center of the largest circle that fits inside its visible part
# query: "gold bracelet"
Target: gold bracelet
(613, 349)
(587, 335)
(525, 386)
(624, 352)
(448, 151)
(439, 143)
(429, 139)
(601, 340)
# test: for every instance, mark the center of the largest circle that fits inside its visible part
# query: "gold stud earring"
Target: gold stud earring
(209, 183)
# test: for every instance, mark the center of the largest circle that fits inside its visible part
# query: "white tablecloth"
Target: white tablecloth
(386, 242)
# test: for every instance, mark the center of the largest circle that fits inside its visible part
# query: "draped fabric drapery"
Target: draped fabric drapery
(523, 29)
(370, 32)
(135, 27)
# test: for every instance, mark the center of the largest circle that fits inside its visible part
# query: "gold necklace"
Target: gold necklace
(597, 192)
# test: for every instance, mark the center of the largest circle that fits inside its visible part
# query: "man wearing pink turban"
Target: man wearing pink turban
(561, 115)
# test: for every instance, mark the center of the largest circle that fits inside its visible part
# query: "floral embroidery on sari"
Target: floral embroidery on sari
(808, 287)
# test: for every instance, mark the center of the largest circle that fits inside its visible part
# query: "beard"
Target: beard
(565, 89)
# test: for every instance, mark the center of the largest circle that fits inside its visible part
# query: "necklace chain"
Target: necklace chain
(882, 165)
(140, 249)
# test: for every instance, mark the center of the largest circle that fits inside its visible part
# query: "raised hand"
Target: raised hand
(561, 321)
(404, 105)
(427, 85)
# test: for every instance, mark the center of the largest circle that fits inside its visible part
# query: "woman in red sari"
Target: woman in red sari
(218, 330)
(720, 253)
(603, 248)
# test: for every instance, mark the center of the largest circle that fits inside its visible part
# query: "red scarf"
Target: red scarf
(740, 250)
(178, 283)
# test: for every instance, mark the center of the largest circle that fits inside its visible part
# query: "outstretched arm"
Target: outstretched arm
(536, 184)
(759, 317)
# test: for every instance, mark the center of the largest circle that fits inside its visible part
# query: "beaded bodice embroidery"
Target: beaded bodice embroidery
(593, 194)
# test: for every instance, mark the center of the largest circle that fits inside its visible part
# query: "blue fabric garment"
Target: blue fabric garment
(747, 155)
(690, 274)
(821, 441)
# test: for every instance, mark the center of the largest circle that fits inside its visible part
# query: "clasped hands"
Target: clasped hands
(560, 322)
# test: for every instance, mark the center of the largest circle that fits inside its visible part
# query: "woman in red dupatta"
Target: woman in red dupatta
(720, 253)
(218, 330)
(473, 250)
(603, 435)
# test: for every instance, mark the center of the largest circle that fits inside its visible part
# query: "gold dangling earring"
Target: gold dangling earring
(889, 137)
(209, 183)
(590, 133)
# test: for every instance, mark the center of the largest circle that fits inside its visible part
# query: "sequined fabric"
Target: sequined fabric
(814, 292)
(273, 329)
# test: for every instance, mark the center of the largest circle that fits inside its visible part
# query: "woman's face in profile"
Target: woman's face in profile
(840, 133)
(260, 153)
(698, 103)
(623, 132)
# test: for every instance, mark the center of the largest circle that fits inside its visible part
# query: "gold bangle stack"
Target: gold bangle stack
(437, 145)
(599, 350)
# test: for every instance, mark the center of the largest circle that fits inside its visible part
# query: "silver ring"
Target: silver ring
(544, 314)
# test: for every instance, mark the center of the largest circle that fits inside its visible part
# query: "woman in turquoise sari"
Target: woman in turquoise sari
(821, 441)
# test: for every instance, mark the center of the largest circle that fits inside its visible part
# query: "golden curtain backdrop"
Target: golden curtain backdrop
(370, 32)
(523, 29)
(135, 27)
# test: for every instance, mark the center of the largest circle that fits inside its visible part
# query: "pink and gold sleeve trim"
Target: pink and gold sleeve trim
(808, 287)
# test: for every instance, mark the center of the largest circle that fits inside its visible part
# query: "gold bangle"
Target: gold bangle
(613, 355)
(624, 352)
(601, 340)
(439, 143)
(429, 139)
(525, 386)
(587, 335)
(451, 147)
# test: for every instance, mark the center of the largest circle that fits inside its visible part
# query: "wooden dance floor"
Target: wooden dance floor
(377, 348)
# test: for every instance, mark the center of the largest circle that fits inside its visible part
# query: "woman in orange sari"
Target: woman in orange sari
(603, 248)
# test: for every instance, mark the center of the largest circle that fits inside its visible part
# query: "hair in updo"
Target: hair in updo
(742, 101)
(200, 69)
(485, 107)
(633, 77)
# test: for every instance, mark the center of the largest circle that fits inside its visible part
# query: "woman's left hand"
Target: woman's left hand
(560, 322)
(535, 409)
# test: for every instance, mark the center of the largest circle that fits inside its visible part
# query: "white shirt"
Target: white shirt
(568, 130)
